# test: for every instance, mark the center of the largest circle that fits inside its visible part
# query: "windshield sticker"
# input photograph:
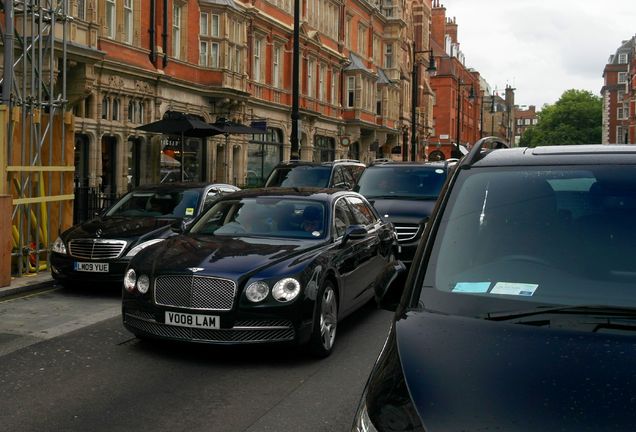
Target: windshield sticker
(439, 171)
(513, 288)
(189, 211)
(471, 287)
(315, 233)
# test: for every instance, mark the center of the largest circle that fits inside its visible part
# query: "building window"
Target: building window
(321, 82)
(388, 56)
(81, 9)
(128, 21)
(203, 53)
(622, 58)
(310, 78)
(111, 19)
(214, 55)
(256, 73)
(264, 152)
(115, 110)
(276, 67)
(176, 31)
(105, 107)
(526, 122)
(324, 149)
(334, 86)
(203, 24)
(215, 26)
(362, 40)
(378, 101)
(351, 91)
(622, 77)
(348, 33)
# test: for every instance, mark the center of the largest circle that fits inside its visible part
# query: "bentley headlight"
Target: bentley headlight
(257, 291)
(130, 279)
(58, 246)
(134, 251)
(362, 420)
(286, 289)
(143, 283)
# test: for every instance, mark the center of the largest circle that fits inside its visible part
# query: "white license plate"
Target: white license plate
(192, 320)
(91, 267)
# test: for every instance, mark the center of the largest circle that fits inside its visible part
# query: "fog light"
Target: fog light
(257, 291)
(286, 289)
(143, 283)
(130, 279)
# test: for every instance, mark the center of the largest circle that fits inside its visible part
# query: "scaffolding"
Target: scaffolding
(36, 131)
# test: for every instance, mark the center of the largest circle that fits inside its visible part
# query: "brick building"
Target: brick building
(457, 107)
(524, 119)
(133, 61)
(619, 95)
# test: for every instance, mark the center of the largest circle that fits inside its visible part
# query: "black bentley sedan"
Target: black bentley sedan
(263, 265)
(98, 251)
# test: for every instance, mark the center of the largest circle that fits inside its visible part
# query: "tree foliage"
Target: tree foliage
(576, 118)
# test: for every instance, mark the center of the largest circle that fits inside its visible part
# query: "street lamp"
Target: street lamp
(471, 97)
(415, 92)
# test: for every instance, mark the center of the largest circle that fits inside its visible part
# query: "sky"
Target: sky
(541, 47)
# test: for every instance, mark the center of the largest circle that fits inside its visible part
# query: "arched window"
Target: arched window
(105, 107)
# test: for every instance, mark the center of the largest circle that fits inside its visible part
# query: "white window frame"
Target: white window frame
(111, 18)
(351, 92)
(622, 58)
(622, 77)
(321, 81)
(203, 53)
(388, 56)
(311, 85)
(276, 66)
(256, 70)
(176, 30)
(215, 28)
(129, 22)
(204, 25)
(214, 55)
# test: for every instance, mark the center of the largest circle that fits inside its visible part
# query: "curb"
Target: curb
(25, 284)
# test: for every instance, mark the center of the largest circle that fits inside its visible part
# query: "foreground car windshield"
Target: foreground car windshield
(170, 204)
(559, 235)
(412, 182)
(271, 217)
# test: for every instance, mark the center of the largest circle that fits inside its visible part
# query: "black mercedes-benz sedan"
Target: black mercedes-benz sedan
(263, 265)
(98, 251)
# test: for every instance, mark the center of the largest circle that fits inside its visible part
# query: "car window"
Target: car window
(362, 213)
(270, 217)
(416, 182)
(552, 234)
(347, 177)
(342, 217)
(338, 179)
(300, 176)
(159, 203)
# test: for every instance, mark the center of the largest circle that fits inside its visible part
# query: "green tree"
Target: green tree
(576, 118)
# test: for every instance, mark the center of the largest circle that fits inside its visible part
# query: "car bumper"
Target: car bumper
(63, 270)
(236, 327)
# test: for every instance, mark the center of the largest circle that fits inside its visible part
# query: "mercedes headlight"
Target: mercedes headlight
(286, 289)
(134, 251)
(59, 246)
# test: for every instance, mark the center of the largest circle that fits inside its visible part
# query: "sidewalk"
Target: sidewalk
(27, 283)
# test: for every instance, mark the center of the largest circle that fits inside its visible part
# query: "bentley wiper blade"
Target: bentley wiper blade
(596, 310)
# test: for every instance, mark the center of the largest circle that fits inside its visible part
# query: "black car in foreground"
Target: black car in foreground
(98, 251)
(519, 311)
(404, 193)
(263, 265)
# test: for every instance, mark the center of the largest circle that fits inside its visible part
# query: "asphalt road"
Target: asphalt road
(67, 364)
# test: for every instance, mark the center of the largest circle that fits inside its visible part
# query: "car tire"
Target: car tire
(323, 336)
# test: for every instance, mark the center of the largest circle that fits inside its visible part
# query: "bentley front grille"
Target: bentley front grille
(96, 249)
(195, 292)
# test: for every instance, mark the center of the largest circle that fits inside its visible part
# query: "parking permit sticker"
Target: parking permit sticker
(439, 171)
(189, 211)
(471, 287)
(315, 233)
(513, 288)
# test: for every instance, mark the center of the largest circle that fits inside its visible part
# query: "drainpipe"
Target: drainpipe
(164, 35)
(153, 42)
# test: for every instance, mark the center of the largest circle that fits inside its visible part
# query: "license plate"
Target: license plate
(192, 320)
(91, 267)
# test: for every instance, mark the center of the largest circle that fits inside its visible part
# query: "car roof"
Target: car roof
(575, 154)
(291, 163)
(322, 194)
(408, 164)
(180, 186)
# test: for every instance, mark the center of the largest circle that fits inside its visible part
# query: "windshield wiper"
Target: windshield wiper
(604, 310)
